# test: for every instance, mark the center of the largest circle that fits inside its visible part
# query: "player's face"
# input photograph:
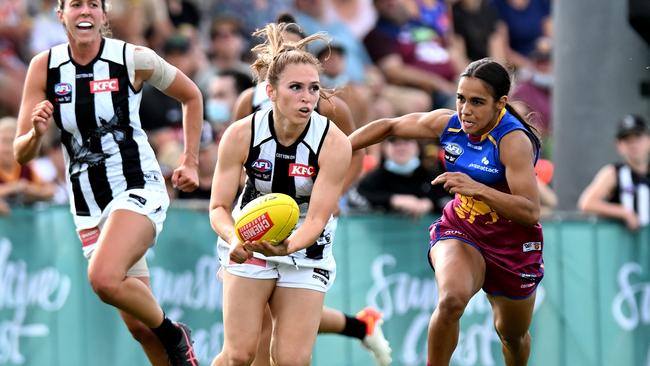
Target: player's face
(82, 19)
(296, 92)
(476, 107)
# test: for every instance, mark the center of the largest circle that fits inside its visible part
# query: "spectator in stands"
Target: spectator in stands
(228, 45)
(46, 29)
(401, 183)
(527, 21)
(478, 31)
(622, 190)
(142, 22)
(534, 85)
(19, 184)
(51, 167)
(410, 53)
(223, 90)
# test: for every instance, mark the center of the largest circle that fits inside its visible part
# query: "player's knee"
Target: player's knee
(141, 333)
(513, 341)
(239, 357)
(299, 357)
(104, 285)
(451, 307)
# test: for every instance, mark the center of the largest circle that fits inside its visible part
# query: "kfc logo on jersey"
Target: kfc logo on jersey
(100, 86)
(301, 170)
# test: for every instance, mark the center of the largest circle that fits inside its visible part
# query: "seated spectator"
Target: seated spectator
(527, 21)
(410, 53)
(478, 31)
(534, 86)
(622, 190)
(223, 90)
(51, 168)
(401, 183)
(19, 184)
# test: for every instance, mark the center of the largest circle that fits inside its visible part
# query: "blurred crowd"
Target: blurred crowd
(385, 58)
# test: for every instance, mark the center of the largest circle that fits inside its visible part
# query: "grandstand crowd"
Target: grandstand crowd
(385, 58)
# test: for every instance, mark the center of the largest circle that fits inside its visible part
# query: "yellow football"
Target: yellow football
(271, 217)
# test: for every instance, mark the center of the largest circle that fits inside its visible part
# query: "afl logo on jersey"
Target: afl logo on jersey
(262, 165)
(452, 152)
(63, 93)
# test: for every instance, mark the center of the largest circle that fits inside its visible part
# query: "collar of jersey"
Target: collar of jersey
(487, 134)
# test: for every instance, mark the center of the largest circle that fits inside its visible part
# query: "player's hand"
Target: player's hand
(41, 117)
(456, 182)
(186, 176)
(267, 248)
(238, 253)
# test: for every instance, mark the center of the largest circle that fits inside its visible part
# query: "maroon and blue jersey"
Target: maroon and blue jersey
(512, 252)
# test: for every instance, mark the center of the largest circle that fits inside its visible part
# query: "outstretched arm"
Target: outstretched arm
(413, 125)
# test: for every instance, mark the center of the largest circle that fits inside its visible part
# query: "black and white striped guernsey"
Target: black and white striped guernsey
(633, 192)
(292, 170)
(96, 108)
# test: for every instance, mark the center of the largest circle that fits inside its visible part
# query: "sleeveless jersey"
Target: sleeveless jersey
(292, 170)
(633, 192)
(96, 108)
(479, 158)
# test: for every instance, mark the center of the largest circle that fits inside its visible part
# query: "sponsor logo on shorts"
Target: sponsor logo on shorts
(452, 152)
(89, 236)
(527, 285)
(528, 276)
(532, 246)
(321, 275)
(256, 228)
(253, 261)
(152, 177)
(63, 93)
(107, 85)
(140, 201)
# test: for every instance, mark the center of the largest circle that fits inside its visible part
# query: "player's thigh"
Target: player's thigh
(124, 239)
(459, 267)
(296, 315)
(244, 301)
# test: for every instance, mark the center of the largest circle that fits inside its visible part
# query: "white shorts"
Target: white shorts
(287, 275)
(148, 202)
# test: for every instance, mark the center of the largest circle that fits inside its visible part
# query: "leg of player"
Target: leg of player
(145, 336)
(263, 354)
(122, 242)
(511, 321)
(296, 315)
(459, 272)
(244, 301)
(365, 326)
